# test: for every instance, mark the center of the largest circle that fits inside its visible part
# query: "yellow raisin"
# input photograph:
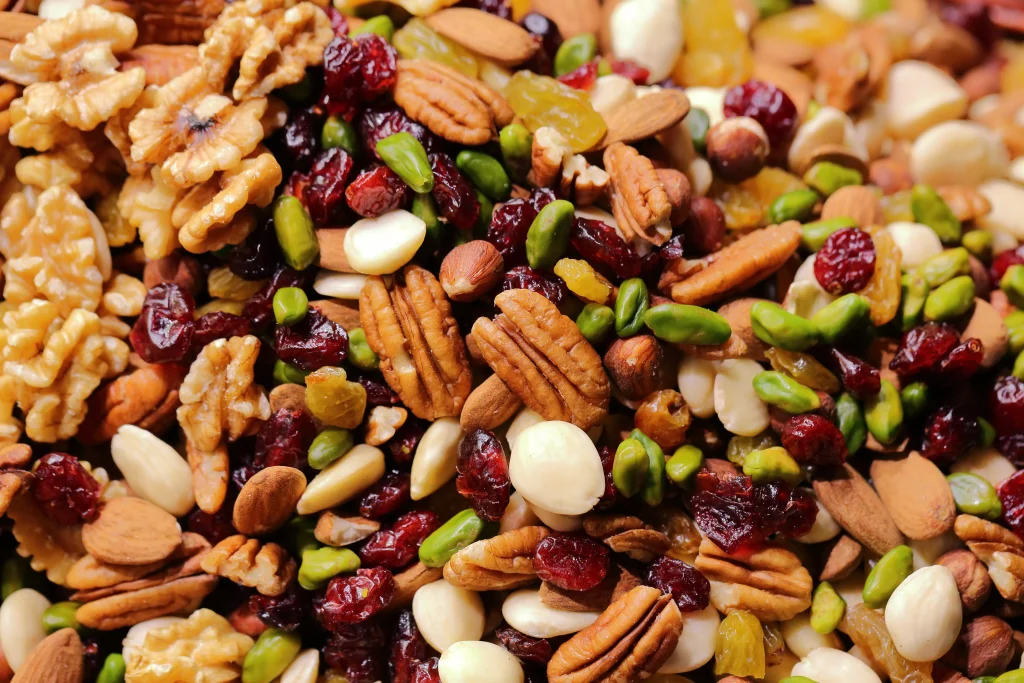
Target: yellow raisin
(804, 368)
(333, 399)
(583, 281)
(222, 305)
(866, 628)
(812, 26)
(739, 647)
(883, 290)
(746, 204)
(896, 207)
(416, 40)
(717, 51)
(223, 284)
(541, 101)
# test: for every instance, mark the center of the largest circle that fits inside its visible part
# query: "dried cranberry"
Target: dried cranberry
(973, 17)
(611, 494)
(384, 120)
(325, 194)
(385, 497)
(510, 223)
(949, 433)
(963, 361)
(284, 439)
(813, 440)
(218, 325)
(213, 527)
(354, 599)
(1012, 446)
(426, 672)
(358, 651)
(541, 197)
(454, 195)
(357, 72)
(92, 657)
(860, 378)
(396, 547)
(1006, 405)
(408, 648)
(631, 70)
(298, 142)
(403, 444)
(376, 191)
(339, 22)
(525, 277)
(571, 562)
(583, 78)
(499, 8)
(687, 586)
(526, 648)
(258, 256)
(260, 306)
(313, 343)
(1002, 262)
(377, 393)
(769, 106)
(1011, 495)
(163, 332)
(285, 611)
(483, 474)
(673, 249)
(550, 40)
(65, 491)
(601, 245)
(923, 349)
(847, 261)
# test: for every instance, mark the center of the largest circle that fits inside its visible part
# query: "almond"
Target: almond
(288, 397)
(645, 117)
(916, 495)
(491, 405)
(332, 250)
(572, 17)
(58, 659)
(16, 25)
(857, 508)
(341, 312)
(471, 270)
(500, 40)
(987, 326)
(842, 559)
(411, 580)
(857, 202)
(131, 531)
(268, 500)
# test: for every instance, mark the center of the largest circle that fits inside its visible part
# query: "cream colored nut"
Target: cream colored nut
(826, 665)
(802, 639)
(849, 9)
(700, 175)
(562, 523)
(696, 380)
(805, 295)
(649, 33)
(920, 96)
(958, 153)
(523, 420)
(21, 625)
(382, 245)
(928, 551)
(518, 514)
(343, 479)
(1007, 214)
(556, 467)
(711, 100)
(1002, 241)
(433, 464)
(924, 614)
(825, 527)
(987, 463)
(611, 91)
(136, 635)
(879, 670)
(983, 106)
(524, 611)
(736, 404)
(339, 285)
(478, 662)
(777, 673)
(829, 126)
(696, 644)
(303, 668)
(446, 614)
(58, 9)
(917, 243)
(872, 127)
(153, 469)
(1016, 172)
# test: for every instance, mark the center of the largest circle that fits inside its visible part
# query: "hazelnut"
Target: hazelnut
(639, 366)
(984, 647)
(737, 148)
(972, 579)
(664, 417)
(471, 270)
(181, 269)
(382, 424)
(705, 229)
(677, 187)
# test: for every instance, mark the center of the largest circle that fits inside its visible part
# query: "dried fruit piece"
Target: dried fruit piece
(866, 628)
(687, 586)
(354, 599)
(572, 562)
(333, 399)
(483, 474)
(163, 332)
(846, 263)
(65, 491)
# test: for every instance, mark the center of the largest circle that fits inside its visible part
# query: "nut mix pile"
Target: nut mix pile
(499, 341)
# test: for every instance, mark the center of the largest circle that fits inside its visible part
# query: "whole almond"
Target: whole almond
(842, 559)
(857, 508)
(332, 250)
(341, 312)
(57, 659)
(500, 40)
(268, 500)
(471, 270)
(857, 202)
(489, 406)
(131, 531)
(645, 117)
(916, 494)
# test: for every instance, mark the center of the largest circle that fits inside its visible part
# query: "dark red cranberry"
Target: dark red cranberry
(525, 277)
(687, 586)
(769, 106)
(572, 562)
(218, 325)
(92, 657)
(354, 599)
(299, 141)
(704, 229)
(923, 349)
(483, 474)
(1011, 495)
(1012, 446)
(214, 528)
(526, 648)
(601, 245)
(550, 40)
(358, 651)
(426, 672)
(284, 439)
(396, 547)
(673, 249)
(258, 256)
(403, 444)
(65, 491)
(509, 224)
(408, 648)
(541, 197)
(631, 70)
(379, 121)
(376, 191)
(377, 392)
(339, 22)
(813, 440)
(1006, 405)
(454, 194)
(611, 494)
(260, 306)
(963, 361)
(583, 78)
(357, 72)
(163, 331)
(859, 378)
(325, 193)
(1002, 262)
(949, 433)
(285, 611)
(973, 17)
(847, 261)
(499, 8)
(313, 343)
(385, 497)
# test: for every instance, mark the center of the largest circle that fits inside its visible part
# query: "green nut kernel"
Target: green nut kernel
(987, 435)
(782, 391)
(380, 25)
(274, 650)
(654, 486)
(846, 314)
(548, 236)
(630, 307)
(14, 576)
(1015, 326)
(61, 615)
(685, 324)
(986, 679)
(1013, 284)
(796, 205)
(328, 446)
(337, 132)
(359, 352)
(596, 322)
(886, 576)
(322, 564)
(290, 306)
(974, 495)
(405, 155)
(851, 422)
(772, 464)
(826, 177)
(516, 143)
(574, 53)
(914, 292)
(827, 608)
(604, 67)
(286, 373)
(302, 531)
(1018, 366)
(769, 8)
(914, 398)
(113, 670)
(423, 208)
(483, 221)
(931, 210)
(699, 124)
(1014, 676)
(883, 414)
(486, 173)
(952, 299)
(813, 235)
(776, 326)
(979, 243)
(297, 93)
(295, 234)
(451, 537)
(740, 446)
(629, 470)
(941, 268)
(684, 464)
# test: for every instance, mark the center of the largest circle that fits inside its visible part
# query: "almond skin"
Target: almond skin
(57, 659)
(268, 500)
(916, 494)
(857, 508)
(471, 270)
(131, 531)
(498, 39)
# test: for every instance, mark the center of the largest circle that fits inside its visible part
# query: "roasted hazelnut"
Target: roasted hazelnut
(972, 579)
(737, 148)
(665, 417)
(639, 366)
(181, 269)
(471, 270)
(677, 186)
(704, 231)
(984, 648)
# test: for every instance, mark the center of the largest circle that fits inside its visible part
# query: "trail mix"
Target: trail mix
(499, 341)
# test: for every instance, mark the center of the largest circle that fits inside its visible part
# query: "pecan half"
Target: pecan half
(175, 21)
(629, 535)
(1000, 550)
(265, 567)
(97, 580)
(499, 563)
(422, 355)
(542, 357)
(554, 164)
(147, 397)
(639, 200)
(128, 609)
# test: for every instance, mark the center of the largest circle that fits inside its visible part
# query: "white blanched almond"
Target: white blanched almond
(523, 420)
(58, 9)
(917, 243)
(649, 33)
(433, 463)
(343, 479)
(524, 611)
(736, 404)
(376, 246)
(610, 91)
(826, 665)
(21, 625)
(829, 126)
(987, 463)
(557, 522)
(802, 639)
(920, 96)
(979, 155)
(696, 644)
(518, 514)
(805, 295)
(851, 589)
(1007, 214)
(696, 380)
(556, 467)
(924, 614)
(303, 669)
(479, 662)
(446, 614)
(926, 552)
(339, 285)
(825, 527)
(153, 469)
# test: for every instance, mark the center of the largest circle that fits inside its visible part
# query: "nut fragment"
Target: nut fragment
(628, 535)
(491, 405)
(334, 530)
(471, 270)
(267, 567)
(131, 531)
(499, 563)
(1000, 550)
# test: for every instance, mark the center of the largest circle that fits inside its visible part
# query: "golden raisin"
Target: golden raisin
(333, 399)
(583, 281)
(665, 417)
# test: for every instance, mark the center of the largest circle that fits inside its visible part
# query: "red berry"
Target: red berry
(214, 528)
(525, 277)
(313, 343)
(1011, 495)
(377, 191)
(217, 325)
(379, 121)
(859, 378)
(65, 491)
(631, 70)
(403, 444)
(259, 255)
(571, 562)
(285, 611)
(1006, 405)
(483, 474)
(847, 261)
(813, 440)
(358, 651)
(687, 586)
(354, 599)
(298, 142)
(396, 547)
(408, 648)
(454, 195)
(357, 72)
(385, 497)
(768, 105)
(284, 439)
(526, 648)
(949, 433)
(601, 245)
(324, 196)
(611, 494)
(583, 78)
(546, 31)
(962, 362)
(1002, 262)
(923, 349)
(377, 393)
(499, 8)
(509, 224)
(163, 331)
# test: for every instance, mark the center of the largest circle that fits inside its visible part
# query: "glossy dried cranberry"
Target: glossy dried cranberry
(1006, 405)
(454, 195)
(259, 255)
(379, 121)
(673, 249)
(525, 277)
(260, 307)
(1012, 446)
(1011, 495)
(285, 611)
(599, 244)
(687, 586)
(358, 651)
(339, 22)
(213, 527)
(949, 433)
(357, 72)
(396, 547)
(284, 439)
(403, 444)
(766, 104)
(611, 494)
(550, 40)
(510, 223)
(583, 78)
(313, 343)
(483, 474)
(631, 70)
(299, 141)
(1002, 262)
(92, 657)
(218, 325)
(325, 194)
(426, 672)
(385, 497)
(408, 648)
(859, 378)
(572, 562)
(499, 8)
(376, 191)
(65, 490)
(973, 17)
(846, 263)
(354, 599)
(923, 349)
(377, 392)
(963, 361)
(813, 440)
(526, 648)
(163, 331)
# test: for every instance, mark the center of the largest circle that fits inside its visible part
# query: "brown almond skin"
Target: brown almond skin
(471, 270)
(268, 500)
(57, 659)
(923, 510)
(972, 579)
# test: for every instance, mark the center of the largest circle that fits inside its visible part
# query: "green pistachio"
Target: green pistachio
(423, 208)
(654, 486)
(979, 243)
(286, 373)
(631, 305)
(61, 615)
(1015, 326)
(574, 53)
(886, 576)
(772, 464)
(1014, 676)
(322, 564)
(826, 177)
(381, 25)
(274, 650)
(406, 156)
(974, 495)
(684, 464)
(883, 414)
(814, 234)
(294, 229)
(302, 532)
(846, 314)
(769, 8)
(851, 422)
(796, 205)
(1018, 366)
(988, 433)
(516, 143)
(782, 391)
(685, 324)
(486, 173)
(914, 292)
(328, 446)
(548, 236)
(596, 322)
(699, 124)
(629, 470)
(827, 608)
(914, 398)
(931, 210)
(1013, 285)
(337, 132)
(15, 576)
(776, 326)
(359, 352)
(113, 670)
(290, 306)
(941, 268)
(451, 537)
(483, 221)
(952, 299)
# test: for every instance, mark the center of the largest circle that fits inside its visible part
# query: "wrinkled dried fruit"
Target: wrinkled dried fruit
(312, 343)
(526, 648)
(483, 474)
(164, 329)
(325, 194)
(284, 439)
(377, 191)
(571, 562)
(813, 440)
(396, 547)
(923, 348)
(354, 599)
(525, 277)
(600, 244)
(847, 261)
(385, 497)
(65, 490)
(687, 586)
(454, 195)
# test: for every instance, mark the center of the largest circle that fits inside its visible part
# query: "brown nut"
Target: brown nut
(181, 269)
(665, 417)
(677, 187)
(984, 648)
(972, 579)
(471, 270)
(638, 366)
(704, 231)
(737, 148)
